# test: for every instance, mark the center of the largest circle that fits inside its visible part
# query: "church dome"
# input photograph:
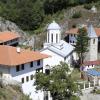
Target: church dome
(54, 26)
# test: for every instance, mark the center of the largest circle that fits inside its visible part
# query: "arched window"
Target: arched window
(93, 41)
(56, 38)
(52, 38)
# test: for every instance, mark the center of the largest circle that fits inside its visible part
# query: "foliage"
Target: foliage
(76, 74)
(75, 98)
(81, 46)
(58, 82)
(88, 6)
(96, 90)
(77, 15)
(30, 14)
(11, 93)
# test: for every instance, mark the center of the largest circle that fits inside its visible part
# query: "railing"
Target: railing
(86, 85)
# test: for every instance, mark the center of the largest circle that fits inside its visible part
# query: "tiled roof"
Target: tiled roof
(75, 31)
(97, 62)
(10, 57)
(63, 48)
(7, 35)
(91, 31)
(72, 31)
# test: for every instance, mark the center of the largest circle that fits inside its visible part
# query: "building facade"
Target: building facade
(21, 65)
(93, 34)
(58, 49)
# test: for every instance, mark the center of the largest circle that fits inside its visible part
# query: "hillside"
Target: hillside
(12, 93)
(32, 14)
(66, 20)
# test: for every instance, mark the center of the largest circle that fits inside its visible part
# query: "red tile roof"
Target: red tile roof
(10, 57)
(7, 35)
(75, 31)
(97, 62)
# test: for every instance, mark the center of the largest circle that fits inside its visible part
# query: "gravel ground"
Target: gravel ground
(89, 96)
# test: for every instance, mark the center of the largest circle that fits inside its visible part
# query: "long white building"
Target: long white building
(21, 65)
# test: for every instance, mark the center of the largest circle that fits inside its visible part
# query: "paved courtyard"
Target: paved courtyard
(89, 96)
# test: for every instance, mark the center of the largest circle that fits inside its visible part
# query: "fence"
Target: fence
(86, 85)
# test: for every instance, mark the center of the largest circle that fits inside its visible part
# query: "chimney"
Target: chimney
(18, 50)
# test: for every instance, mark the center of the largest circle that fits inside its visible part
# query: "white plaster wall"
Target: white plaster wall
(28, 87)
(93, 50)
(54, 59)
(54, 32)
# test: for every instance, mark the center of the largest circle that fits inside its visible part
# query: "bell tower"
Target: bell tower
(93, 43)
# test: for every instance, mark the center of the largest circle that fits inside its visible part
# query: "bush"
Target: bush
(97, 92)
(88, 6)
(77, 15)
(74, 98)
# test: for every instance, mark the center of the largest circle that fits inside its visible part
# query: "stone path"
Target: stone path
(89, 96)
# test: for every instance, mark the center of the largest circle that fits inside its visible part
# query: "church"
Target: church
(58, 49)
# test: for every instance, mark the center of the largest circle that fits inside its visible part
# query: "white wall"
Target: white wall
(93, 49)
(28, 87)
(54, 59)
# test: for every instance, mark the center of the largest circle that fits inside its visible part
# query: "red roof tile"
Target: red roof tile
(10, 57)
(7, 35)
(75, 31)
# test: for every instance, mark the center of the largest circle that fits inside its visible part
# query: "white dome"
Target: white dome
(53, 26)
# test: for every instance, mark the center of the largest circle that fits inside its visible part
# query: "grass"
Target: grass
(12, 93)
(76, 74)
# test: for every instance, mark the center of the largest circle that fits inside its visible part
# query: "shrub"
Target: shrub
(88, 6)
(97, 92)
(77, 15)
(74, 98)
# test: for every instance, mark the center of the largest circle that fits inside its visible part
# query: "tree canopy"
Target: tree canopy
(58, 82)
(81, 46)
(29, 14)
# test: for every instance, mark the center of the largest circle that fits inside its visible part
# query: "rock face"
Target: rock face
(6, 25)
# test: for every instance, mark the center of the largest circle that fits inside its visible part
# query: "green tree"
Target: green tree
(58, 82)
(81, 46)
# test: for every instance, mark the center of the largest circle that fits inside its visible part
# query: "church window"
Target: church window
(48, 37)
(51, 37)
(31, 64)
(56, 38)
(22, 80)
(38, 63)
(31, 77)
(22, 67)
(93, 41)
(17, 68)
